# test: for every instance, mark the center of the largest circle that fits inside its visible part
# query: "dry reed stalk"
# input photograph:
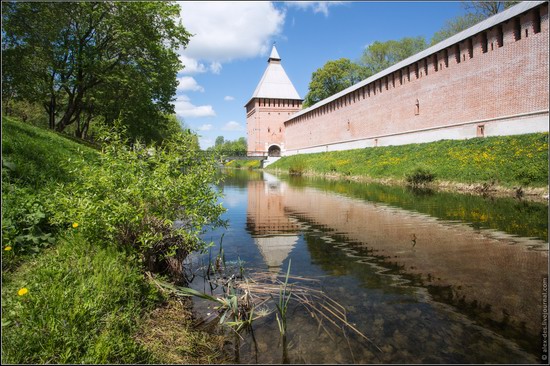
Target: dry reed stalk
(313, 300)
(261, 287)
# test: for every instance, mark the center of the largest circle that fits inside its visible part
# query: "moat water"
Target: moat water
(427, 277)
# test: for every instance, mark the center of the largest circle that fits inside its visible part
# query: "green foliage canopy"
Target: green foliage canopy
(229, 147)
(381, 55)
(333, 77)
(81, 60)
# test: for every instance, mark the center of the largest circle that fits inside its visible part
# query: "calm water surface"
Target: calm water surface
(428, 277)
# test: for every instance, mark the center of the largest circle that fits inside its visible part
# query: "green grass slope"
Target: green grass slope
(37, 157)
(64, 299)
(506, 160)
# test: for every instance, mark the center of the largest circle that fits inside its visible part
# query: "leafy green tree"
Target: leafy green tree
(381, 55)
(476, 12)
(454, 26)
(333, 77)
(227, 147)
(80, 60)
(219, 141)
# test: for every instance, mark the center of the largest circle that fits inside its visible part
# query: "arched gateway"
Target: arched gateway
(274, 150)
(273, 102)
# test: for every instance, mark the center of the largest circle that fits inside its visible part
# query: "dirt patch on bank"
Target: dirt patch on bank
(169, 334)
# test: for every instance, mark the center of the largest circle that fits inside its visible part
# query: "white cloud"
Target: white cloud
(192, 66)
(188, 83)
(316, 6)
(206, 127)
(216, 67)
(226, 30)
(185, 108)
(232, 126)
(228, 98)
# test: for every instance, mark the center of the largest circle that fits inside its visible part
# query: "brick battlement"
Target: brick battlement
(491, 79)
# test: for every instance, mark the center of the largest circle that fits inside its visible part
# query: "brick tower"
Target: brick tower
(272, 103)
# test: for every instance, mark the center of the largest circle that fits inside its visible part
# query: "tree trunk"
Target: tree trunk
(74, 107)
(78, 131)
(51, 112)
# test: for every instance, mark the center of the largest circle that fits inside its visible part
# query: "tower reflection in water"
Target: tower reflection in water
(274, 232)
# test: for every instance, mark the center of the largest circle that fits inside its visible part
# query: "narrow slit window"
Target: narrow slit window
(517, 29)
(484, 42)
(417, 108)
(500, 36)
(536, 21)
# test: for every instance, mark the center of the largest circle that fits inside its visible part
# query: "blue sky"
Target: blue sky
(227, 56)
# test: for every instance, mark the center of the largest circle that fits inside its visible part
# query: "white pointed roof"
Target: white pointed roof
(275, 82)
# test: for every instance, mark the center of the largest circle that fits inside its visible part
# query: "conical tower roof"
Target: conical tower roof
(275, 83)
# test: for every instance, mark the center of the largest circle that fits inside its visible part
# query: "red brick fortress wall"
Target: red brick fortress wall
(493, 83)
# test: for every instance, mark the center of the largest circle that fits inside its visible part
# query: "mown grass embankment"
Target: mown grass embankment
(68, 296)
(507, 161)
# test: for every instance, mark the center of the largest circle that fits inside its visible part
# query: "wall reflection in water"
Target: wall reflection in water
(494, 277)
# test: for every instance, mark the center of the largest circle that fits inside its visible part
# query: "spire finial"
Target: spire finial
(274, 54)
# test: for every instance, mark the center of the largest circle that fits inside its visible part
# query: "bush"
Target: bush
(25, 226)
(296, 169)
(155, 199)
(529, 174)
(419, 177)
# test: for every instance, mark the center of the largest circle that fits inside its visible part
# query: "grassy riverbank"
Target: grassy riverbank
(71, 294)
(507, 161)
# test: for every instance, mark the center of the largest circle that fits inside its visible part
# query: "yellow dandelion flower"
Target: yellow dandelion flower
(22, 291)
(75, 225)
(8, 248)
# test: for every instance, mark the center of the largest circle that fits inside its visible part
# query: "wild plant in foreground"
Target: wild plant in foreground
(282, 304)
